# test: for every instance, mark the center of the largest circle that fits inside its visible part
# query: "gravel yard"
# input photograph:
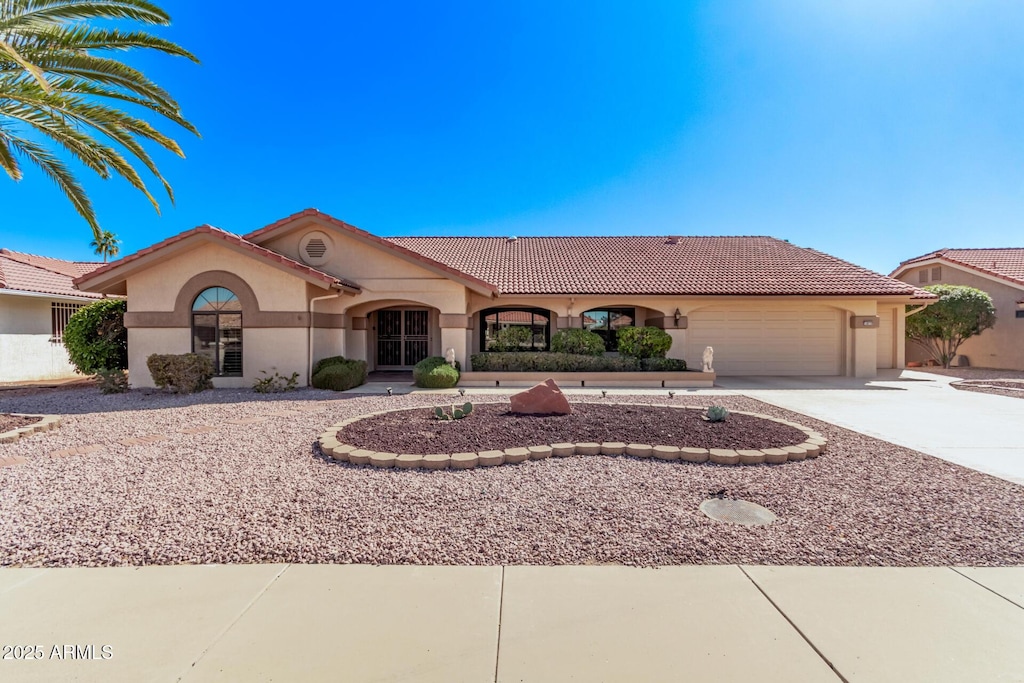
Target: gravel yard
(12, 422)
(233, 477)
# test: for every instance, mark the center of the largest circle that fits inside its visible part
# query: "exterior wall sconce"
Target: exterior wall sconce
(677, 316)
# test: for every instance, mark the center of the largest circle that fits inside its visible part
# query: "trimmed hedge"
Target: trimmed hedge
(643, 342)
(579, 342)
(183, 373)
(330, 360)
(340, 375)
(435, 373)
(95, 337)
(663, 364)
(547, 361)
(515, 338)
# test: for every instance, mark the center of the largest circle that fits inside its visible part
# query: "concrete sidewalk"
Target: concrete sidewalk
(610, 623)
(913, 409)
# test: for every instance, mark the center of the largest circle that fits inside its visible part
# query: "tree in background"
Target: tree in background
(105, 245)
(959, 314)
(56, 84)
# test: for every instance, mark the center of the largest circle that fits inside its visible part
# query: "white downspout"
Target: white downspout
(309, 334)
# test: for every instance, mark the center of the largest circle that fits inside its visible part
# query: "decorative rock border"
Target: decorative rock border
(45, 424)
(812, 447)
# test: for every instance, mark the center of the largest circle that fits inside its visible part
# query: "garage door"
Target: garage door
(886, 349)
(768, 342)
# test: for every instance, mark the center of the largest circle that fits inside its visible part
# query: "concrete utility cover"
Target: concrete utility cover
(737, 512)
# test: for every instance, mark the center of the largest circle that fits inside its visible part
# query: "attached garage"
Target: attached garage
(775, 341)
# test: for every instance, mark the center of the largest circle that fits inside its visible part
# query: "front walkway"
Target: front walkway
(448, 624)
(914, 409)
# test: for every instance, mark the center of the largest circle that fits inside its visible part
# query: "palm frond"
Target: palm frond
(37, 12)
(7, 159)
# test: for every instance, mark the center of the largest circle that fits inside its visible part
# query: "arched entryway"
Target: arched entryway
(403, 336)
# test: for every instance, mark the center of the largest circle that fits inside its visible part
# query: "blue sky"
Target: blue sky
(872, 130)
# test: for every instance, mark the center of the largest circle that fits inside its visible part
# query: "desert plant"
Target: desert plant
(275, 384)
(112, 381)
(512, 338)
(644, 342)
(959, 314)
(95, 337)
(183, 373)
(341, 376)
(456, 414)
(581, 342)
(434, 372)
(717, 414)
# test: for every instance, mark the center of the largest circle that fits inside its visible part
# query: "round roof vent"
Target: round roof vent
(316, 248)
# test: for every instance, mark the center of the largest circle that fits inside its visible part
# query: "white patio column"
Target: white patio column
(455, 335)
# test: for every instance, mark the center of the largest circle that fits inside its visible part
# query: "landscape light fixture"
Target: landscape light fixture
(671, 394)
(389, 391)
(462, 392)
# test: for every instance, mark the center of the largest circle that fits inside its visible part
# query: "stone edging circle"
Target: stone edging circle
(45, 424)
(812, 447)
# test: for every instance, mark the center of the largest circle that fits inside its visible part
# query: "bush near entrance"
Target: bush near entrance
(644, 342)
(340, 374)
(959, 314)
(96, 339)
(581, 342)
(435, 373)
(184, 373)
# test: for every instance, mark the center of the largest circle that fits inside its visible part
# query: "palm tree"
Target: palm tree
(57, 85)
(105, 244)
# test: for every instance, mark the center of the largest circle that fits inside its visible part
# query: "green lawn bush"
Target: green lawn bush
(644, 342)
(548, 361)
(183, 373)
(95, 337)
(579, 342)
(514, 338)
(435, 373)
(663, 364)
(330, 360)
(341, 375)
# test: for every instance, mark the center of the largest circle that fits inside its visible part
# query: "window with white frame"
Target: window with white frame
(60, 313)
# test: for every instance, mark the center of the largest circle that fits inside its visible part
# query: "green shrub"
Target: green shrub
(513, 338)
(717, 414)
(183, 373)
(547, 361)
(663, 364)
(579, 342)
(341, 376)
(112, 381)
(644, 342)
(435, 373)
(95, 337)
(275, 384)
(324, 362)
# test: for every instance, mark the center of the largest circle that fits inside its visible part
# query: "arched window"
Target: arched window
(217, 330)
(534, 324)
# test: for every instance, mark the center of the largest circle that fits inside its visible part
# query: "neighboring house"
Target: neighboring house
(1000, 272)
(311, 286)
(37, 296)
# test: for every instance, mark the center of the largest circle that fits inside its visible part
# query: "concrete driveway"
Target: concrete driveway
(913, 409)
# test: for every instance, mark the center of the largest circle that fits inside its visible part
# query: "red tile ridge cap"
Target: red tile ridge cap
(373, 238)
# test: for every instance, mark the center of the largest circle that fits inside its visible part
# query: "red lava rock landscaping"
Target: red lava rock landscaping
(11, 422)
(493, 426)
(543, 399)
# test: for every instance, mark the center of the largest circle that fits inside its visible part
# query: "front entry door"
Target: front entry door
(402, 337)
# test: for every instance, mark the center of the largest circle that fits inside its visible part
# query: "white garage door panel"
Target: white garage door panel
(780, 342)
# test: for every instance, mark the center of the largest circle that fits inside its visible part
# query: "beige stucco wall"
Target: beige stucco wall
(1000, 347)
(26, 352)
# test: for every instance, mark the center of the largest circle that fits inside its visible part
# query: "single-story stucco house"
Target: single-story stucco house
(37, 296)
(1000, 272)
(311, 286)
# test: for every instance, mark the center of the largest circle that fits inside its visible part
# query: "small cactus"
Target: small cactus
(717, 414)
(456, 414)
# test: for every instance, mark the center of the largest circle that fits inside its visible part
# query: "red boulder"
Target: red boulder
(543, 399)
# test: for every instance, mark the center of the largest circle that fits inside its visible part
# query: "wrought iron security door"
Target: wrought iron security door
(403, 337)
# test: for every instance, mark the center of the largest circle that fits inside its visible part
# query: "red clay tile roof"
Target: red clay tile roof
(257, 235)
(748, 266)
(231, 239)
(1006, 264)
(42, 274)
